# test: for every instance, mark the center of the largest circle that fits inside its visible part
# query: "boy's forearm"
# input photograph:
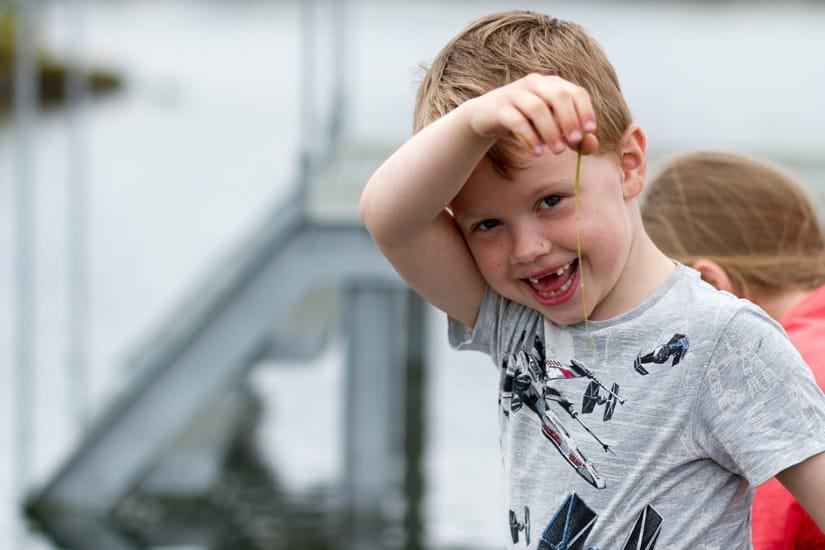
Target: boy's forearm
(408, 192)
(806, 481)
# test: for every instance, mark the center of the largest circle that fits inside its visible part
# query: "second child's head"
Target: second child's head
(746, 225)
(517, 211)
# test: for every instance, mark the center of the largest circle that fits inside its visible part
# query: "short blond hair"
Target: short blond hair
(750, 217)
(500, 48)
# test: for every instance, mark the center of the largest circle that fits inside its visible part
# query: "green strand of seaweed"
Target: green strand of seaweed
(576, 183)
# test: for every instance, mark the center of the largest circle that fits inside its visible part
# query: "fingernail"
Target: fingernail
(589, 126)
(538, 149)
(575, 136)
(557, 147)
(522, 140)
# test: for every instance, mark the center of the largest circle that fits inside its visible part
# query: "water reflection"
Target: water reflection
(247, 508)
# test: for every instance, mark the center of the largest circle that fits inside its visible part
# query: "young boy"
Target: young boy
(638, 405)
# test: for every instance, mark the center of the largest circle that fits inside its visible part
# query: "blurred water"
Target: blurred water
(197, 147)
(203, 139)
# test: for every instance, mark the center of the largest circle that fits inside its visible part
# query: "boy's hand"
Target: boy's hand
(538, 110)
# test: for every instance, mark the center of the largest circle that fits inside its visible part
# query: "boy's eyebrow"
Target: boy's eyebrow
(554, 183)
(463, 215)
(545, 187)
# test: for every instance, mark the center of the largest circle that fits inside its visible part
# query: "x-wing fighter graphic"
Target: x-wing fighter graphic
(526, 382)
(676, 348)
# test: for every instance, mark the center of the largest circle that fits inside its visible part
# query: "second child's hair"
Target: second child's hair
(748, 216)
(502, 47)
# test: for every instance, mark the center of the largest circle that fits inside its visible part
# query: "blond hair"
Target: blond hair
(502, 47)
(750, 217)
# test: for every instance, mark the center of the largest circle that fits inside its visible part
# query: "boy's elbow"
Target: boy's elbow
(378, 209)
(364, 208)
(369, 212)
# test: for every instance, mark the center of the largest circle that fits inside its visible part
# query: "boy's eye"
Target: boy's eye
(486, 225)
(550, 200)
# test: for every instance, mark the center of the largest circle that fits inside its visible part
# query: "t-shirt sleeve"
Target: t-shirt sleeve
(758, 410)
(484, 335)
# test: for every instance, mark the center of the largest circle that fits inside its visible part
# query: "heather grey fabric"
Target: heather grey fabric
(726, 404)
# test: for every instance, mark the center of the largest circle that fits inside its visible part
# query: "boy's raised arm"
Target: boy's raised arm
(403, 207)
(403, 204)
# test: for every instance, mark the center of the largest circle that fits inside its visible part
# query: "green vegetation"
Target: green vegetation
(52, 74)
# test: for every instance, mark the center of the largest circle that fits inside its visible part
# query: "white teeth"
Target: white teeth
(559, 272)
(562, 288)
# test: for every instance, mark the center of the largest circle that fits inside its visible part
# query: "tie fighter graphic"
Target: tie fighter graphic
(645, 531)
(592, 398)
(516, 527)
(572, 523)
(569, 528)
(676, 348)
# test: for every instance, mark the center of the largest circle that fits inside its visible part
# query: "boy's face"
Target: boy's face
(523, 234)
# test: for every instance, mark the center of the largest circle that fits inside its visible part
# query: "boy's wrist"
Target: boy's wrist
(464, 114)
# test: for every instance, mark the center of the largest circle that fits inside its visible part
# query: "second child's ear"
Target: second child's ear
(714, 274)
(633, 157)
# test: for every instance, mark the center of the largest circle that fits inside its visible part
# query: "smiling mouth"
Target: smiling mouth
(556, 284)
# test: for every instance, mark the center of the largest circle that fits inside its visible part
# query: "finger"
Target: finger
(513, 120)
(590, 144)
(564, 111)
(584, 109)
(538, 112)
(559, 94)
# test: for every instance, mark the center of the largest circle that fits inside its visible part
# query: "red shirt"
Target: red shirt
(779, 522)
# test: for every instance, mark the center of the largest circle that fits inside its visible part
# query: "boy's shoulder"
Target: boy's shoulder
(709, 314)
(712, 307)
(722, 327)
(691, 293)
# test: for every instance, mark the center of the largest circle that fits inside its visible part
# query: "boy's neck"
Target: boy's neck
(647, 271)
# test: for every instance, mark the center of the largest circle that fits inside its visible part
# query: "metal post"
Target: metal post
(308, 94)
(340, 58)
(415, 420)
(25, 105)
(78, 216)
(375, 324)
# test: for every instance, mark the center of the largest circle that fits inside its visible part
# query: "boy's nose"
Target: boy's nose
(527, 245)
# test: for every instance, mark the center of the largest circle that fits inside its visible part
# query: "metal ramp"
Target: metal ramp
(313, 241)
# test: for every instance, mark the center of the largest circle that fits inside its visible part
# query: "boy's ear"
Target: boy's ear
(714, 274)
(633, 157)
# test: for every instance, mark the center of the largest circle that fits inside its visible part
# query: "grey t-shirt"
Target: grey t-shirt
(648, 430)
